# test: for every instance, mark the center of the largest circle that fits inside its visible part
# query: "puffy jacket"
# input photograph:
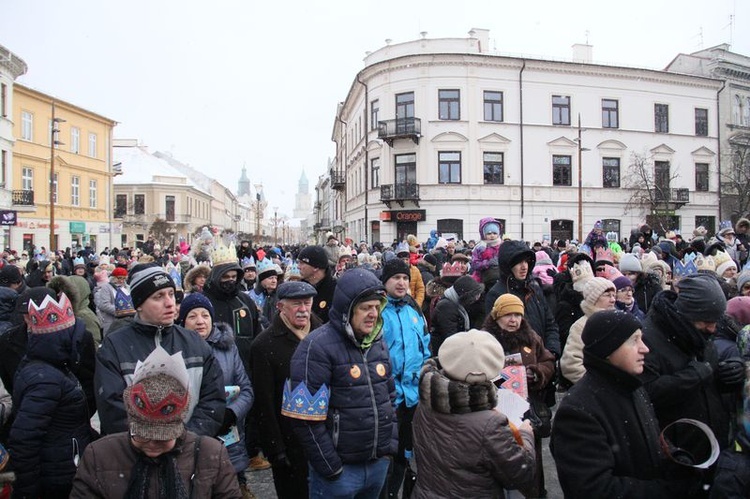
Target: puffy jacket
(408, 343)
(361, 420)
(51, 427)
(8, 299)
(115, 364)
(104, 299)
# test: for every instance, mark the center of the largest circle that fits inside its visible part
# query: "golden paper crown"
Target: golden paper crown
(222, 253)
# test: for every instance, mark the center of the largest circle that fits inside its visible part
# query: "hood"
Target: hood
(511, 253)
(353, 285)
(742, 223)
(488, 220)
(446, 396)
(198, 270)
(8, 299)
(214, 279)
(64, 284)
(58, 348)
(221, 337)
(433, 233)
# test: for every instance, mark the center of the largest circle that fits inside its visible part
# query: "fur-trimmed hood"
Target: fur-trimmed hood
(446, 396)
(194, 273)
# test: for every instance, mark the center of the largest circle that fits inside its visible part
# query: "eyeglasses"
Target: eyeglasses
(625, 290)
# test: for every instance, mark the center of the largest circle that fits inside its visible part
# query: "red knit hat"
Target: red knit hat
(119, 272)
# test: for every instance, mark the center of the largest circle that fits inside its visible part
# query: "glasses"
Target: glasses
(625, 290)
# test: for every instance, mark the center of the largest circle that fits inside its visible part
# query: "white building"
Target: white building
(439, 133)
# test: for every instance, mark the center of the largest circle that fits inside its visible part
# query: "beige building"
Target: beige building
(77, 178)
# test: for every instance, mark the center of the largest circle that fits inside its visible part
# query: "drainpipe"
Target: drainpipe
(520, 91)
(718, 149)
(367, 157)
(346, 125)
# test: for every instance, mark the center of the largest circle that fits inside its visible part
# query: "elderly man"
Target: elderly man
(314, 268)
(341, 394)
(271, 356)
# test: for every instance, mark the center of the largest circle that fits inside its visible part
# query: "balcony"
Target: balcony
(23, 198)
(402, 128)
(325, 224)
(399, 193)
(675, 198)
(338, 180)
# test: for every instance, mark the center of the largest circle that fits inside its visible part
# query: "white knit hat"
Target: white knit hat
(595, 288)
(630, 263)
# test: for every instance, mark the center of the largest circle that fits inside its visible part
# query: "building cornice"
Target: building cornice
(12, 63)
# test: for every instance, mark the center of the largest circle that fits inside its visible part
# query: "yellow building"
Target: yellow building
(82, 179)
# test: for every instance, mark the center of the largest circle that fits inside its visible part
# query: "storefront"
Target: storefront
(406, 221)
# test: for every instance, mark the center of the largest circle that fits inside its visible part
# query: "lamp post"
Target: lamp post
(580, 182)
(52, 185)
(275, 225)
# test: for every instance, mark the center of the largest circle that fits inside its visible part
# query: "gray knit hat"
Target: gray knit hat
(630, 263)
(700, 298)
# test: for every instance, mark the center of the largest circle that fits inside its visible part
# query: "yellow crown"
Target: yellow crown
(223, 254)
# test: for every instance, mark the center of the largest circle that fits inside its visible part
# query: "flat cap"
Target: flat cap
(295, 289)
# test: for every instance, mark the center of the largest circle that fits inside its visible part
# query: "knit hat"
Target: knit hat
(542, 265)
(723, 262)
(739, 309)
(700, 298)
(648, 260)
(10, 274)
(580, 273)
(191, 301)
(460, 257)
(51, 315)
(120, 272)
(123, 302)
(489, 225)
(472, 356)
(606, 330)
(506, 304)
(145, 280)
(393, 267)
(467, 289)
(595, 288)
(542, 258)
(158, 398)
(630, 263)
(315, 256)
(742, 279)
(622, 282)
(430, 259)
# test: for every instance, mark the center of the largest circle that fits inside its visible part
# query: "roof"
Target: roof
(141, 167)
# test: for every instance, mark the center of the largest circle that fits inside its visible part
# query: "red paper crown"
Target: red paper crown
(51, 315)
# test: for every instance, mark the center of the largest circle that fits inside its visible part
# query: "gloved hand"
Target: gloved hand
(704, 369)
(230, 418)
(281, 459)
(731, 371)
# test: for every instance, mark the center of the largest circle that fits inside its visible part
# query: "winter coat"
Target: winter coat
(463, 446)
(483, 257)
(732, 478)
(6, 405)
(605, 439)
(266, 303)
(324, 299)
(271, 356)
(225, 351)
(405, 333)
(571, 361)
(78, 291)
(645, 289)
(679, 369)
(536, 310)
(122, 349)
(416, 285)
(108, 464)
(51, 427)
(434, 290)
(361, 421)
(8, 299)
(632, 309)
(104, 299)
(449, 317)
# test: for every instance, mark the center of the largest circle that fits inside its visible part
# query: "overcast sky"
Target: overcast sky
(224, 84)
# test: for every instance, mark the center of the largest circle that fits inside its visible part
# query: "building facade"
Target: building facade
(74, 174)
(439, 133)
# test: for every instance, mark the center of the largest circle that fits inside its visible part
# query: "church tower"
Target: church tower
(302, 205)
(243, 186)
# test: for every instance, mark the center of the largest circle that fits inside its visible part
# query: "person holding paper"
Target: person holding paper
(507, 324)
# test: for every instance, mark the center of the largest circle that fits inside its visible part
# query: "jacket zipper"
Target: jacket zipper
(336, 419)
(374, 405)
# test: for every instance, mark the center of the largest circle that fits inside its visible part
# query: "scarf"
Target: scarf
(299, 333)
(171, 485)
(451, 295)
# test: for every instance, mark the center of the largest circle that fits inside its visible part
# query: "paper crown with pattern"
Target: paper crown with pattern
(684, 269)
(292, 272)
(78, 261)
(222, 253)
(604, 255)
(705, 263)
(51, 315)
(123, 302)
(300, 404)
(608, 272)
(248, 262)
(724, 226)
(402, 247)
(456, 269)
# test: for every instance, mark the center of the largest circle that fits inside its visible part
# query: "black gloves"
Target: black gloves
(230, 418)
(731, 371)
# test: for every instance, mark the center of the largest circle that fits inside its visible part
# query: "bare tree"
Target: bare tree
(735, 177)
(162, 231)
(652, 195)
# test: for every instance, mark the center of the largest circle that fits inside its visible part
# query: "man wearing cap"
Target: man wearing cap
(341, 373)
(271, 356)
(683, 375)
(408, 341)
(314, 268)
(106, 294)
(152, 291)
(605, 437)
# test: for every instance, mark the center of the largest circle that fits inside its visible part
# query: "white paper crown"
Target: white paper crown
(224, 254)
(160, 362)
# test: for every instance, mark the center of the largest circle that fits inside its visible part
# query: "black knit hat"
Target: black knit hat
(393, 267)
(146, 279)
(10, 274)
(605, 331)
(314, 256)
(468, 290)
(700, 298)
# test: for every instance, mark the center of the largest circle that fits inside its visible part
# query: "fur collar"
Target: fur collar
(447, 396)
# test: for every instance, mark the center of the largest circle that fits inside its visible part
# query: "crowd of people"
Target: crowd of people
(376, 371)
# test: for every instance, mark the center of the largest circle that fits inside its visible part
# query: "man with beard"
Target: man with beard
(271, 356)
(683, 375)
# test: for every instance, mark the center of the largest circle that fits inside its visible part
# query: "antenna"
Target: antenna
(587, 37)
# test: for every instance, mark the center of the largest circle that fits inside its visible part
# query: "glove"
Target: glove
(731, 371)
(704, 369)
(281, 459)
(230, 418)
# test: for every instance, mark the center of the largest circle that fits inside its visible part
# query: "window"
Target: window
(375, 173)
(3, 166)
(701, 177)
(92, 145)
(169, 208)
(449, 104)
(27, 179)
(3, 100)
(75, 140)
(139, 204)
(449, 167)
(611, 172)
(661, 178)
(374, 114)
(610, 113)
(75, 185)
(493, 106)
(561, 170)
(701, 122)
(54, 188)
(707, 222)
(121, 205)
(92, 193)
(560, 110)
(661, 118)
(27, 125)
(406, 176)
(493, 168)
(405, 112)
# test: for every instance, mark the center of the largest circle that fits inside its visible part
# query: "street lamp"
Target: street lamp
(580, 182)
(52, 186)
(275, 225)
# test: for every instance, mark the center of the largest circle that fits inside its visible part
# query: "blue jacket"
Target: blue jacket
(408, 343)
(361, 420)
(225, 351)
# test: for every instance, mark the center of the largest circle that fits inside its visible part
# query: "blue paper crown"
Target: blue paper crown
(123, 303)
(264, 265)
(78, 261)
(248, 261)
(684, 269)
(293, 270)
(402, 247)
(176, 277)
(299, 404)
(726, 224)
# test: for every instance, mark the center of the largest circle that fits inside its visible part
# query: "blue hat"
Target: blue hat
(191, 301)
(295, 289)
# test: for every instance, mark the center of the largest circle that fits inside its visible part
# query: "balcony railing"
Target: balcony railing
(401, 128)
(677, 196)
(399, 193)
(338, 180)
(23, 198)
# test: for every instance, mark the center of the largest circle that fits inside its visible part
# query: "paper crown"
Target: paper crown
(726, 224)
(608, 272)
(344, 252)
(265, 265)
(402, 247)
(721, 257)
(456, 269)
(123, 302)
(705, 263)
(611, 236)
(51, 315)
(300, 404)
(78, 261)
(175, 275)
(222, 253)
(684, 269)
(292, 272)
(248, 261)
(160, 362)
(689, 257)
(604, 255)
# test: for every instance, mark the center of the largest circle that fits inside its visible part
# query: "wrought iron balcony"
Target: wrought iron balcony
(23, 198)
(401, 128)
(399, 193)
(677, 197)
(338, 180)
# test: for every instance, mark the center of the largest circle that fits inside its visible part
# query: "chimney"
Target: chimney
(582, 53)
(483, 37)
